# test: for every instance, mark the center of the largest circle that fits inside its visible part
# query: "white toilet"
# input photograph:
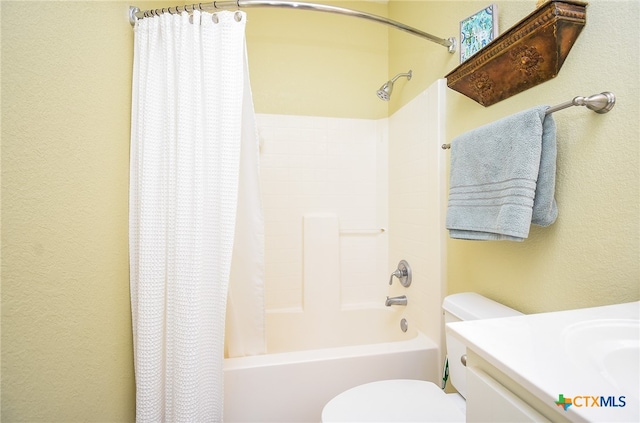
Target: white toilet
(405, 400)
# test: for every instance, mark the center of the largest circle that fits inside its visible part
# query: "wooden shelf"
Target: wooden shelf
(528, 54)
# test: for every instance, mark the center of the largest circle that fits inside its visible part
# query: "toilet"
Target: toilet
(404, 400)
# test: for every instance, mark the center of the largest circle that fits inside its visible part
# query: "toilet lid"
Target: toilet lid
(399, 400)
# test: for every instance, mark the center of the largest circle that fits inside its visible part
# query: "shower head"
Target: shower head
(385, 91)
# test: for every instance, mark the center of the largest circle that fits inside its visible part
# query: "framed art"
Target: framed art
(477, 31)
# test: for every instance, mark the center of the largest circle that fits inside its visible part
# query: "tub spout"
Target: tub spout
(401, 300)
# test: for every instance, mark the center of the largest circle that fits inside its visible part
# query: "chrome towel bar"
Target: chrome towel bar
(599, 103)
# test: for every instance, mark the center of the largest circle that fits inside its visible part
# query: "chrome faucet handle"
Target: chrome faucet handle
(403, 273)
(397, 273)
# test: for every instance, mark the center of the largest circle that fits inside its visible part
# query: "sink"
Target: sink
(582, 354)
(610, 347)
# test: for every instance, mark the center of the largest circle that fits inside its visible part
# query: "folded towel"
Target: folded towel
(503, 178)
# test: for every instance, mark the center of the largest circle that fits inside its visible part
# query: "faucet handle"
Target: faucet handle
(403, 273)
(397, 273)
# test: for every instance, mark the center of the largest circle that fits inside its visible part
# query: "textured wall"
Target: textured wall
(318, 64)
(66, 325)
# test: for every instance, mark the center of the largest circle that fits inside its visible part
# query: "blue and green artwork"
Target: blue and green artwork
(477, 31)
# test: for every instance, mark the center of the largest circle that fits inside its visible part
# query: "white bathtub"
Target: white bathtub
(325, 357)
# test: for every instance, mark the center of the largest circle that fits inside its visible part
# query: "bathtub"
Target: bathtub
(311, 360)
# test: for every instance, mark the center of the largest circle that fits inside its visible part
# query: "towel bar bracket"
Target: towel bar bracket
(599, 103)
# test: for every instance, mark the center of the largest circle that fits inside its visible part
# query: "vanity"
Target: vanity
(576, 365)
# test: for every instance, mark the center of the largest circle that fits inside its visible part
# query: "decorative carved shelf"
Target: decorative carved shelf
(528, 54)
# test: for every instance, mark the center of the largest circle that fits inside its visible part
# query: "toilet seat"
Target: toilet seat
(399, 400)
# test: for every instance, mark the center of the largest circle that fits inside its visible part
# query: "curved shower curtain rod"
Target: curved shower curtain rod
(135, 13)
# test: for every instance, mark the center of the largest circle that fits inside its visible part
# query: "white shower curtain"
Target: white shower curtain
(192, 121)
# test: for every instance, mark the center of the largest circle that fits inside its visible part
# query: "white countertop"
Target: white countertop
(539, 352)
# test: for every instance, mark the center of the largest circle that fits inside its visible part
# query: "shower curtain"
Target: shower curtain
(194, 159)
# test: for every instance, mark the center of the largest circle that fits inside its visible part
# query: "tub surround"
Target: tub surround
(348, 165)
(417, 204)
(324, 347)
(294, 330)
(315, 166)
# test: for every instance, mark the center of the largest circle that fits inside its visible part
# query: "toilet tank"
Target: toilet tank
(463, 307)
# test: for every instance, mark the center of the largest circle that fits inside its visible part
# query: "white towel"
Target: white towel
(503, 178)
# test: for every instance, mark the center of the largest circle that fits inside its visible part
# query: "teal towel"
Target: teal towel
(503, 178)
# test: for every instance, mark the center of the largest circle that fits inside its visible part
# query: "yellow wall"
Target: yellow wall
(591, 255)
(66, 325)
(429, 61)
(318, 64)
(66, 72)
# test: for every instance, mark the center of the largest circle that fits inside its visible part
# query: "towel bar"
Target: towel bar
(599, 103)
